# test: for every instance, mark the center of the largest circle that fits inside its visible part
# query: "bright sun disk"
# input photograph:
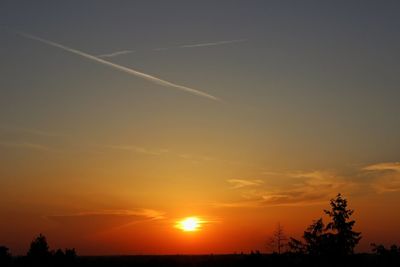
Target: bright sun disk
(189, 224)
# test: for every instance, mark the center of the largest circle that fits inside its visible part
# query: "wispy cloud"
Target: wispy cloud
(260, 203)
(384, 166)
(307, 188)
(137, 149)
(136, 73)
(213, 43)
(161, 151)
(31, 131)
(94, 222)
(139, 213)
(161, 49)
(116, 53)
(24, 145)
(301, 188)
(385, 176)
(240, 183)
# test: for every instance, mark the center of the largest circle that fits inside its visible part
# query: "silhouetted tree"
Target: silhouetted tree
(380, 250)
(315, 238)
(59, 255)
(39, 249)
(295, 246)
(278, 239)
(345, 239)
(335, 238)
(387, 257)
(394, 249)
(70, 255)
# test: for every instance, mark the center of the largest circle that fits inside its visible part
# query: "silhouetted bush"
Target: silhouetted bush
(387, 257)
(70, 255)
(59, 256)
(5, 256)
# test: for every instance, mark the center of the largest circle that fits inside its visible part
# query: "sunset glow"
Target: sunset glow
(195, 127)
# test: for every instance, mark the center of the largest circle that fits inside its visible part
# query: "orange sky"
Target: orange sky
(126, 117)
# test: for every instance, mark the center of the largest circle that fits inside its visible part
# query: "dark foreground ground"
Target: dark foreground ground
(217, 260)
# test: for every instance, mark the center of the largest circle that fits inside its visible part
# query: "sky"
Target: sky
(120, 118)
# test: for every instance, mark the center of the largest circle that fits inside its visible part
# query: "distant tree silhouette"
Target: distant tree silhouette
(39, 249)
(59, 255)
(387, 257)
(278, 239)
(39, 254)
(380, 250)
(5, 256)
(70, 255)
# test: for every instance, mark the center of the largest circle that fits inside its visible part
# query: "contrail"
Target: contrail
(214, 43)
(121, 68)
(118, 53)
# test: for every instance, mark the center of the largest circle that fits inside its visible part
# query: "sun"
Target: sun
(189, 224)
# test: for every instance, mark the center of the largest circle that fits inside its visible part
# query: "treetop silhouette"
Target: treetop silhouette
(278, 239)
(342, 226)
(39, 249)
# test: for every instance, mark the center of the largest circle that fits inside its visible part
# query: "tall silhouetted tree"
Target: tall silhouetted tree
(39, 249)
(345, 239)
(278, 239)
(336, 238)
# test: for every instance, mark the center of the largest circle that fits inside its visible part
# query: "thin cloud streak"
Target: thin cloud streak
(384, 166)
(24, 146)
(239, 183)
(117, 53)
(312, 187)
(213, 43)
(386, 176)
(121, 68)
(161, 49)
(302, 188)
(31, 131)
(102, 221)
(142, 150)
(125, 52)
(262, 203)
(144, 213)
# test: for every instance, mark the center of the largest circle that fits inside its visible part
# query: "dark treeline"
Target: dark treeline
(329, 243)
(39, 254)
